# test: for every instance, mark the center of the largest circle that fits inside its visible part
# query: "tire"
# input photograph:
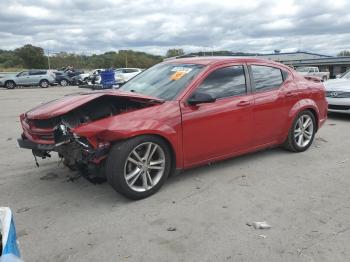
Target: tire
(10, 84)
(63, 82)
(300, 139)
(44, 84)
(141, 175)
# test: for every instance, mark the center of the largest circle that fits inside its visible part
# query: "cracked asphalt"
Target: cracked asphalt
(304, 197)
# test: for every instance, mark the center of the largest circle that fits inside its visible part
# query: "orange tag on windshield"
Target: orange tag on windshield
(178, 75)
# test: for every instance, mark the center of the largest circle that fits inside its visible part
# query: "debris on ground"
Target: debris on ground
(49, 176)
(261, 225)
(171, 229)
(9, 139)
(262, 236)
(345, 160)
(22, 210)
(224, 206)
(198, 187)
(173, 202)
(321, 139)
(332, 124)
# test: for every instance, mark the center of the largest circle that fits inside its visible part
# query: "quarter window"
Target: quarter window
(266, 77)
(225, 82)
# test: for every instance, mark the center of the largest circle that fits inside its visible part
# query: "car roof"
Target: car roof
(208, 60)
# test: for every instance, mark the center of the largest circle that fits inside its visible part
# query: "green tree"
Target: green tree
(344, 53)
(32, 56)
(175, 52)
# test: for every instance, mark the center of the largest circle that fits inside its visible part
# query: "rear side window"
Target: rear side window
(266, 77)
(225, 82)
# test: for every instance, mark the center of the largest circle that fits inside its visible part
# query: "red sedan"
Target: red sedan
(178, 114)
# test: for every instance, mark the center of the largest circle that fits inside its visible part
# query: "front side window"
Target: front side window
(24, 73)
(224, 82)
(266, 77)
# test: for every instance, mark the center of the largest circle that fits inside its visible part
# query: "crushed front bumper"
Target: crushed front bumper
(27, 144)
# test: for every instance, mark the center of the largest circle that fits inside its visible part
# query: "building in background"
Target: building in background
(333, 64)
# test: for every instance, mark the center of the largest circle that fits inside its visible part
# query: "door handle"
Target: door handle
(243, 103)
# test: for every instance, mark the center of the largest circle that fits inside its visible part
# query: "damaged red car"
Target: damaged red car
(178, 114)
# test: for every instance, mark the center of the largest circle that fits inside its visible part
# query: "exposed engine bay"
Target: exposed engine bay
(99, 108)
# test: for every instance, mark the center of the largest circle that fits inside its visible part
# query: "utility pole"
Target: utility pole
(48, 58)
(126, 59)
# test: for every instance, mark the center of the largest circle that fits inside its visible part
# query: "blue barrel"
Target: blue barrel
(107, 78)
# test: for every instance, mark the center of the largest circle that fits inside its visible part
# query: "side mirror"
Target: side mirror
(200, 98)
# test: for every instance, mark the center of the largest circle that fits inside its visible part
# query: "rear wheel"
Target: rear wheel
(44, 84)
(302, 132)
(138, 167)
(10, 84)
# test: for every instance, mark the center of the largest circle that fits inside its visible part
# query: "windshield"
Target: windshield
(346, 75)
(302, 69)
(164, 81)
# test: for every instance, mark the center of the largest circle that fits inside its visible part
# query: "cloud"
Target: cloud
(154, 26)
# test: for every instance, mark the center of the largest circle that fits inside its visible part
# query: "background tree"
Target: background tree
(175, 52)
(344, 53)
(32, 56)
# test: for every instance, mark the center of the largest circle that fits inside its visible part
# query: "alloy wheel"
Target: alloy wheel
(303, 130)
(144, 167)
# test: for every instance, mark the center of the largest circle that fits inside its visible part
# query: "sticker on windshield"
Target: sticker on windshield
(180, 71)
(181, 68)
(178, 75)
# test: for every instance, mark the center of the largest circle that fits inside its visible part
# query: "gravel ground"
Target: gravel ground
(304, 197)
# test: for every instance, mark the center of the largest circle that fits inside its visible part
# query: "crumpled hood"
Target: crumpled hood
(67, 103)
(338, 85)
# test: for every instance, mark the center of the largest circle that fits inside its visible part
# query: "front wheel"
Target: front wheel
(302, 132)
(63, 82)
(138, 167)
(10, 84)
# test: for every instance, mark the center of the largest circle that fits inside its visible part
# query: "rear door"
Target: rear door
(218, 129)
(35, 76)
(275, 93)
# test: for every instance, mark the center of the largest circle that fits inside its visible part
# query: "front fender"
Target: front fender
(128, 125)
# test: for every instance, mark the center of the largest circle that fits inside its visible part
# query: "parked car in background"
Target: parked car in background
(86, 77)
(338, 93)
(63, 79)
(35, 77)
(178, 114)
(313, 71)
(123, 75)
(67, 76)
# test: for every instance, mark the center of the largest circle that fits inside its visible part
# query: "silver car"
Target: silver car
(42, 78)
(338, 94)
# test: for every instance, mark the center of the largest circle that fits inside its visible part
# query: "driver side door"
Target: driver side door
(22, 78)
(218, 129)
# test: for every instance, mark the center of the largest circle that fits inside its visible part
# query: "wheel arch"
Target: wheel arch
(174, 158)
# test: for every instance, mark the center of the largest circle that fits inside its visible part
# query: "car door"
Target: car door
(274, 95)
(218, 129)
(22, 78)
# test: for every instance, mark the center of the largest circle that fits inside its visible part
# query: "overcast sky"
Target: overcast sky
(96, 26)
